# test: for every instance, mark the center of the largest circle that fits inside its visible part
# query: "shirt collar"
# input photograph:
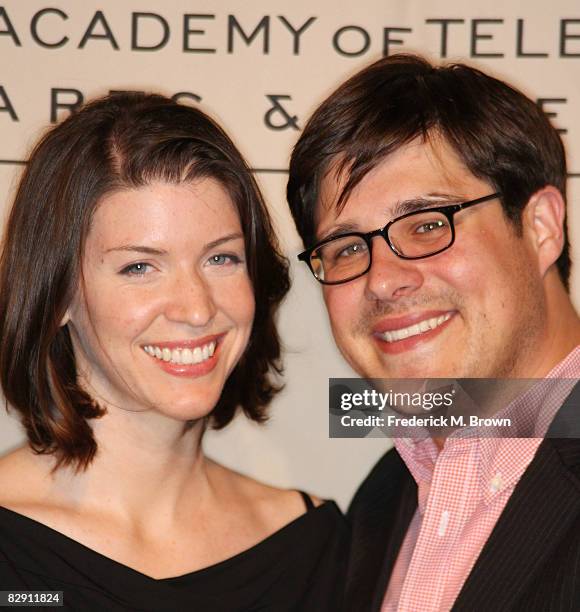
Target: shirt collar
(502, 461)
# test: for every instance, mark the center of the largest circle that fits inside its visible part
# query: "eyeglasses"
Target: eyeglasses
(415, 235)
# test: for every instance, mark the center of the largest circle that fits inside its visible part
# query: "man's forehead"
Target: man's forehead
(417, 175)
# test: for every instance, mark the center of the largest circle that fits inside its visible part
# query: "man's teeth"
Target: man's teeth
(413, 330)
(185, 356)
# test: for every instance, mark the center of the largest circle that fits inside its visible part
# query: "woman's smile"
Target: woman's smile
(187, 357)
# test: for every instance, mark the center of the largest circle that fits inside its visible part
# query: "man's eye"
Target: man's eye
(344, 248)
(356, 248)
(223, 259)
(430, 226)
(136, 269)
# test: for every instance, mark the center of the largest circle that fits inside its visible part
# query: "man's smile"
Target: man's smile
(420, 327)
(405, 333)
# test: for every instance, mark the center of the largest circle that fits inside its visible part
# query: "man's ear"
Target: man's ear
(544, 217)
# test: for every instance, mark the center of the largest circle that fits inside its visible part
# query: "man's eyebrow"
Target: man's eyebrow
(138, 248)
(430, 200)
(338, 230)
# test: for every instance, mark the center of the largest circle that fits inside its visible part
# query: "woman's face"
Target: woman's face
(165, 306)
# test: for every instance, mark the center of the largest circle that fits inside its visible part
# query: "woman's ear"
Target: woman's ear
(65, 319)
(544, 219)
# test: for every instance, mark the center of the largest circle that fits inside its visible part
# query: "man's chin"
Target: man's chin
(428, 360)
(417, 368)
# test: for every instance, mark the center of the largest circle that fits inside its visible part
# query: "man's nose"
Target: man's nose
(391, 277)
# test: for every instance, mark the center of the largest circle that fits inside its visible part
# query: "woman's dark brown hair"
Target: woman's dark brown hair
(123, 141)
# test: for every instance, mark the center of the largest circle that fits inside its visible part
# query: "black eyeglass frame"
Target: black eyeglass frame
(449, 210)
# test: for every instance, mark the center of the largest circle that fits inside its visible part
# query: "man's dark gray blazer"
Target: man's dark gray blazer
(531, 561)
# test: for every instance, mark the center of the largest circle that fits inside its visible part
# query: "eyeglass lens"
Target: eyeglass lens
(415, 236)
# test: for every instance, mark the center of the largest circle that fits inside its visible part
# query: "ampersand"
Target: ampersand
(288, 121)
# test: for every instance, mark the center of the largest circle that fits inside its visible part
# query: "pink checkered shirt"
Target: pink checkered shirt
(462, 490)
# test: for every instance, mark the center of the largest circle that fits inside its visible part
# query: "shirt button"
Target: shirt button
(443, 523)
(496, 483)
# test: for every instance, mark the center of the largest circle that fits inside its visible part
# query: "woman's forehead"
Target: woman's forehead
(161, 212)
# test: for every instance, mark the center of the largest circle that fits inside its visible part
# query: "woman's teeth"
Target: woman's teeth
(414, 330)
(185, 356)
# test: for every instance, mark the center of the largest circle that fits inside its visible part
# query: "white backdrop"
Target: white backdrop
(260, 68)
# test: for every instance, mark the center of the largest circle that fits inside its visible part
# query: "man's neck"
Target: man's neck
(560, 336)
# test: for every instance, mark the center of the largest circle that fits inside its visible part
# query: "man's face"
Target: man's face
(479, 306)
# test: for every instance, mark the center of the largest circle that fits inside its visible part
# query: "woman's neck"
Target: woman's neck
(147, 469)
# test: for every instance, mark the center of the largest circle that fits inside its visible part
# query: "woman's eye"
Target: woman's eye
(223, 260)
(136, 269)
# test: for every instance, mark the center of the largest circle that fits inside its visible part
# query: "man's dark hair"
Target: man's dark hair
(120, 142)
(499, 134)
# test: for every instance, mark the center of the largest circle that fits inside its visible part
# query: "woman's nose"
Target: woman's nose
(191, 300)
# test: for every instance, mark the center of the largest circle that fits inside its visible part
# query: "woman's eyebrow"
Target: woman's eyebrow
(227, 238)
(137, 248)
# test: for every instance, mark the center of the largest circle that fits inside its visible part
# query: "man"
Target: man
(475, 287)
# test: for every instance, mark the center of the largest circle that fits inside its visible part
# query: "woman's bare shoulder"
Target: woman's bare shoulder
(275, 506)
(23, 478)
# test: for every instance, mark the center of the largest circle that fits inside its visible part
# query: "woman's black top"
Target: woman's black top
(300, 567)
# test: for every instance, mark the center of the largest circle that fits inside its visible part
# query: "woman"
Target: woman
(138, 286)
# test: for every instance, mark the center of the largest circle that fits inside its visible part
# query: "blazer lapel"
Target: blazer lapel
(403, 515)
(379, 515)
(540, 511)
